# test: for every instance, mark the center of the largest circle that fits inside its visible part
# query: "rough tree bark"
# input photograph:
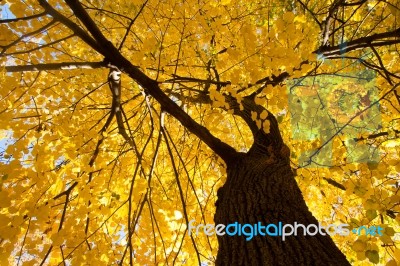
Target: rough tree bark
(260, 187)
(258, 190)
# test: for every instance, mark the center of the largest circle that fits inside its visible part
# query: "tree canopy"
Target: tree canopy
(118, 119)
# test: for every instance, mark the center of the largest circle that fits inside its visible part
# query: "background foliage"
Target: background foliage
(79, 184)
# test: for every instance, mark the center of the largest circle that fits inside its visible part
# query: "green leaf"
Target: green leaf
(389, 231)
(372, 165)
(371, 214)
(373, 256)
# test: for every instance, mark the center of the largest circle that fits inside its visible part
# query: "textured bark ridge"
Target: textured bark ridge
(259, 190)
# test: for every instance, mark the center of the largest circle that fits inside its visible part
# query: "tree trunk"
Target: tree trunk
(261, 189)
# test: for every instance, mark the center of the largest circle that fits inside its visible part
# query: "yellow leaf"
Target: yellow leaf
(396, 254)
(57, 239)
(5, 201)
(266, 126)
(253, 115)
(359, 246)
(391, 263)
(258, 123)
(264, 114)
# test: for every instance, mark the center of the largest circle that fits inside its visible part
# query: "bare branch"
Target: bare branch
(39, 47)
(108, 50)
(56, 66)
(131, 24)
(375, 40)
(23, 18)
(326, 27)
(39, 30)
(334, 183)
(309, 11)
(71, 25)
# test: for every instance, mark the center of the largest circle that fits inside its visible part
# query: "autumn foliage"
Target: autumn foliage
(117, 118)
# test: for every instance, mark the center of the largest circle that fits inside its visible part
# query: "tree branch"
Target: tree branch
(56, 66)
(107, 49)
(374, 40)
(309, 11)
(71, 25)
(23, 18)
(334, 183)
(327, 24)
